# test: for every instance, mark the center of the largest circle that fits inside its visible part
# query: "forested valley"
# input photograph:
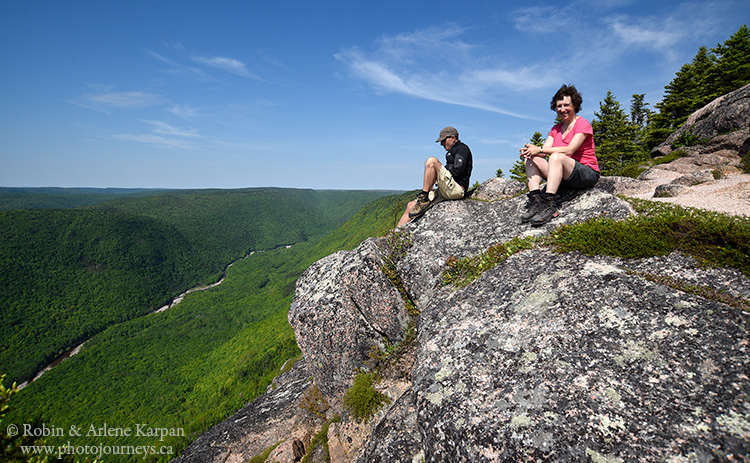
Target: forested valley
(98, 272)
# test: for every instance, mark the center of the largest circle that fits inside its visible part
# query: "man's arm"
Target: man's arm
(460, 162)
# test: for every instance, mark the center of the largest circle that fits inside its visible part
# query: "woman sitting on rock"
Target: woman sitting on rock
(572, 161)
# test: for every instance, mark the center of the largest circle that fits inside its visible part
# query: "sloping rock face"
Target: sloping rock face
(717, 121)
(545, 357)
(345, 306)
(573, 358)
(712, 136)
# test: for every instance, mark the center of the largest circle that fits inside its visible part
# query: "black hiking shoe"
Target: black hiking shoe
(533, 205)
(423, 203)
(548, 210)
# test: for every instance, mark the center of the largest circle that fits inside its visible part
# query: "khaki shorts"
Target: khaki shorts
(447, 187)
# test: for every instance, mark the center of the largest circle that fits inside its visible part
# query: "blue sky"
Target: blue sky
(324, 95)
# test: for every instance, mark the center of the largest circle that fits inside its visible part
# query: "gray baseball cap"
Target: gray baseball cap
(447, 132)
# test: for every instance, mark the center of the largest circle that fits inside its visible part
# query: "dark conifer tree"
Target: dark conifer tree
(615, 136)
(731, 69)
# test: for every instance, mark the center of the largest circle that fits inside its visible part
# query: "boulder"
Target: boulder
(670, 190)
(344, 307)
(694, 178)
(720, 125)
(465, 228)
(499, 188)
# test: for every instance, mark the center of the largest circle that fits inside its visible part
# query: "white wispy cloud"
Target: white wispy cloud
(126, 100)
(184, 111)
(107, 100)
(163, 128)
(659, 36)
(543, 20)
(156, 140)
(175, 67)
(667, 34)
(163, 135)
(178, 65)
(419, 64)
(230, 65)
(597, 34)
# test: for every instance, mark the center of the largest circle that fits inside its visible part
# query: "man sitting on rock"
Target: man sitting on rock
(452, 179)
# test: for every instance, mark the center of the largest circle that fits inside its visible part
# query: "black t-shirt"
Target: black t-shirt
(459, 163)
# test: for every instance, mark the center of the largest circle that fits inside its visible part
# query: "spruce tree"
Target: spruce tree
(639, 113)
(537, 139)
(732, 66)
(615, 137)
(518, 171)
(710, 74)
(640, 116)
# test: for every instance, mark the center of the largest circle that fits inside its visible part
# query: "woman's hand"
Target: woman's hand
(529, 151)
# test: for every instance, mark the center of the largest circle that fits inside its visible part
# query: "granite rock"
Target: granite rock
(670, 190)
(545, 357)
(720, 125)
(343, 308)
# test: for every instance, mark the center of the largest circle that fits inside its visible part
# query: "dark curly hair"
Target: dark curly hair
(567, 90)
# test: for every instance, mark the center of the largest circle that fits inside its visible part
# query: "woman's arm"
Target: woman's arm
(547, 148)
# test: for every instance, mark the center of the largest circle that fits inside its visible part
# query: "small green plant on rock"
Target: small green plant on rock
(687, 138)
(712, 238)
(461, 272)
(396, 360)
(264, 456)
(313, 402)
(320, 440)
(362, 400)
(394, 246)
(676, 154)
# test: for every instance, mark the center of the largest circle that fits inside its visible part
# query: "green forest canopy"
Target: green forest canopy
(69, 274)
(196, 363)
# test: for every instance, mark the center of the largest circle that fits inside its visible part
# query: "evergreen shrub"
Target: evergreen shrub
(362, 400)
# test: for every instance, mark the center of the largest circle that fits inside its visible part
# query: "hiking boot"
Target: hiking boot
(547, 210)
(423, 203)
(533, 205)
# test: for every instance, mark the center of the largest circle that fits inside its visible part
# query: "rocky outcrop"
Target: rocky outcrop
(545, 357)
(348, 306)
(711, 139)
(711, 146)
(720, 126)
